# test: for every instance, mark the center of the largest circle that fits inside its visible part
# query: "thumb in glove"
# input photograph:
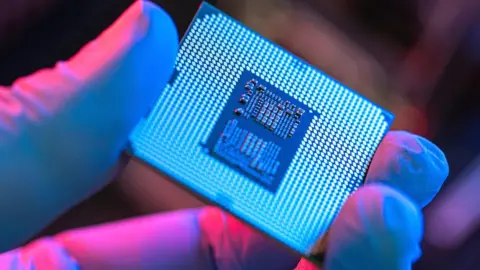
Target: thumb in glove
(63, 128)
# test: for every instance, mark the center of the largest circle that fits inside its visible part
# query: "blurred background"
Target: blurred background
(419, 59)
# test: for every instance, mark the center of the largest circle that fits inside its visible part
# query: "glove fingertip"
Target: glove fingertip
(411, 164)
(438, 158)
(164, 38)
(378, 228)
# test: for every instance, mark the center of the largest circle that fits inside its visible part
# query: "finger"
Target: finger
(193, 239)
(235, 245)
(411, 164)
(378, 228)
(61, 129)
(43, 254)
(203, 239)
(162, 241)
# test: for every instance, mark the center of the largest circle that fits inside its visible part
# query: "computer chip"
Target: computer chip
(259, 131)
(247, 125)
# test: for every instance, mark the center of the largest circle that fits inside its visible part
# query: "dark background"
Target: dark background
(37, 33)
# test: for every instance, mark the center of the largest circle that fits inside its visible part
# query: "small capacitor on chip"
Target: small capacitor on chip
(244, 99)
(239, 111)
(299, 112)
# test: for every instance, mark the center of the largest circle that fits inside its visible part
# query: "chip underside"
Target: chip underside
(256, 130)
(259, 131)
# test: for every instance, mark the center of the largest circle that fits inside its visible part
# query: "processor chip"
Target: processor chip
(259, 132)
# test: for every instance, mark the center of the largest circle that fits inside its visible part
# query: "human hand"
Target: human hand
(62, 129)
(379, 227)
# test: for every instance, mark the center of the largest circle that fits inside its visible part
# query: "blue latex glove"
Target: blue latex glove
(63, 129)
(380, 226)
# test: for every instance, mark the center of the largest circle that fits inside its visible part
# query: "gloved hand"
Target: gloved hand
(62, 129)
(379, 228)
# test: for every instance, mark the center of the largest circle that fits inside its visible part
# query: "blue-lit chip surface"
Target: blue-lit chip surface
(260, 132)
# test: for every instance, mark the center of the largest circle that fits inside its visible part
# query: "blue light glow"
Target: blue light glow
(330, 163)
